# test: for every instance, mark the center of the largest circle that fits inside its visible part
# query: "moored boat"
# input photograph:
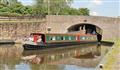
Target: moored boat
(42, 41)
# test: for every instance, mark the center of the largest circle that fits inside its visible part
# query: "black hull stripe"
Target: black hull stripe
(53, 45)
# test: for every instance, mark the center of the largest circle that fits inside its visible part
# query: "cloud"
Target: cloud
(97, 2)
(93, 13)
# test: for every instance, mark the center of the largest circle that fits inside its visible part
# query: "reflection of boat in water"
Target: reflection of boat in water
(54, 55)
(41, 41)
(33, 59)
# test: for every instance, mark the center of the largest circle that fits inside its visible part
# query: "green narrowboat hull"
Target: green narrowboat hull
(62, 40)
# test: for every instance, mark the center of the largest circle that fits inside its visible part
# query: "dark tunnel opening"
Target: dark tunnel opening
(86, 29)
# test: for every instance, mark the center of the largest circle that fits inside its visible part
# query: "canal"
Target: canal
(78, 57)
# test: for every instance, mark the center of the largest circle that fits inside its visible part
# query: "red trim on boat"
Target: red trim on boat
(44, 39)
(35, 38)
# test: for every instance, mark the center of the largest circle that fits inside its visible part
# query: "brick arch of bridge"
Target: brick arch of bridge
(60, 24)
(89, 28)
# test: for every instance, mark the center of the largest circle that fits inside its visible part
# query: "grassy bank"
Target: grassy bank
(111, 60)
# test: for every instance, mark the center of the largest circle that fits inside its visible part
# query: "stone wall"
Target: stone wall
(17, 28)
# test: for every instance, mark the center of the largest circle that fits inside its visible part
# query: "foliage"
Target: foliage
(74, 11)
(52, 7)
(16, 9)
(83, 11)
(41, 7)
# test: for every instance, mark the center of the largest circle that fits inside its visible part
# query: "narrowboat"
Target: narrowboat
(45, 40)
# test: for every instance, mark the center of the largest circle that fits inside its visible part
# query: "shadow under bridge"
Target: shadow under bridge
(86, 28)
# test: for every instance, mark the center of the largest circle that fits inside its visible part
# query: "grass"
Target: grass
(111, 58)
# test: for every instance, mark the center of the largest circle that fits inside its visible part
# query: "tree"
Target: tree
(83, 11)
(58, 7)
(8, 2)
(14, 8)
(52, 7)
(42, 7)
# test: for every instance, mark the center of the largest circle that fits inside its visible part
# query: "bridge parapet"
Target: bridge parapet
(11, 27)
(22, 18)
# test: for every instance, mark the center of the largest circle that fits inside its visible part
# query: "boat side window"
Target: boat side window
(66, 37)
(50, 38)
(82, 38)
(76, 38)
(69, 37)
(93, 38)
(57, 37)
(88, 38)
(73, 37)
(53, 38)
(62, 38)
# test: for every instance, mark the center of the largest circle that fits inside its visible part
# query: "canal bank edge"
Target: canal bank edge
(111, 60)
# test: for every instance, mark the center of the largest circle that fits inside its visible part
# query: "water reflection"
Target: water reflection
(53, 55)
(78, 57)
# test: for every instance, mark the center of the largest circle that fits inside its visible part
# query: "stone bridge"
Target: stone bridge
(107, 26)
(16, 29)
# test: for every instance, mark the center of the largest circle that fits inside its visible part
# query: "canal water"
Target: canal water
(78, 57)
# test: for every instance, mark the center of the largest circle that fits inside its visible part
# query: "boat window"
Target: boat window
(53, 38)
(83, 38)
(88, 38)
(93, 38)
(50, 38)
(62, 38)
(69, 38)
(76, 38)
(58, 38)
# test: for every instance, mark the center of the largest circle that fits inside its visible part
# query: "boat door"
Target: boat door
(38, 38)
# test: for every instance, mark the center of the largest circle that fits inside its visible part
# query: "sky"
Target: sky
(109, 8)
